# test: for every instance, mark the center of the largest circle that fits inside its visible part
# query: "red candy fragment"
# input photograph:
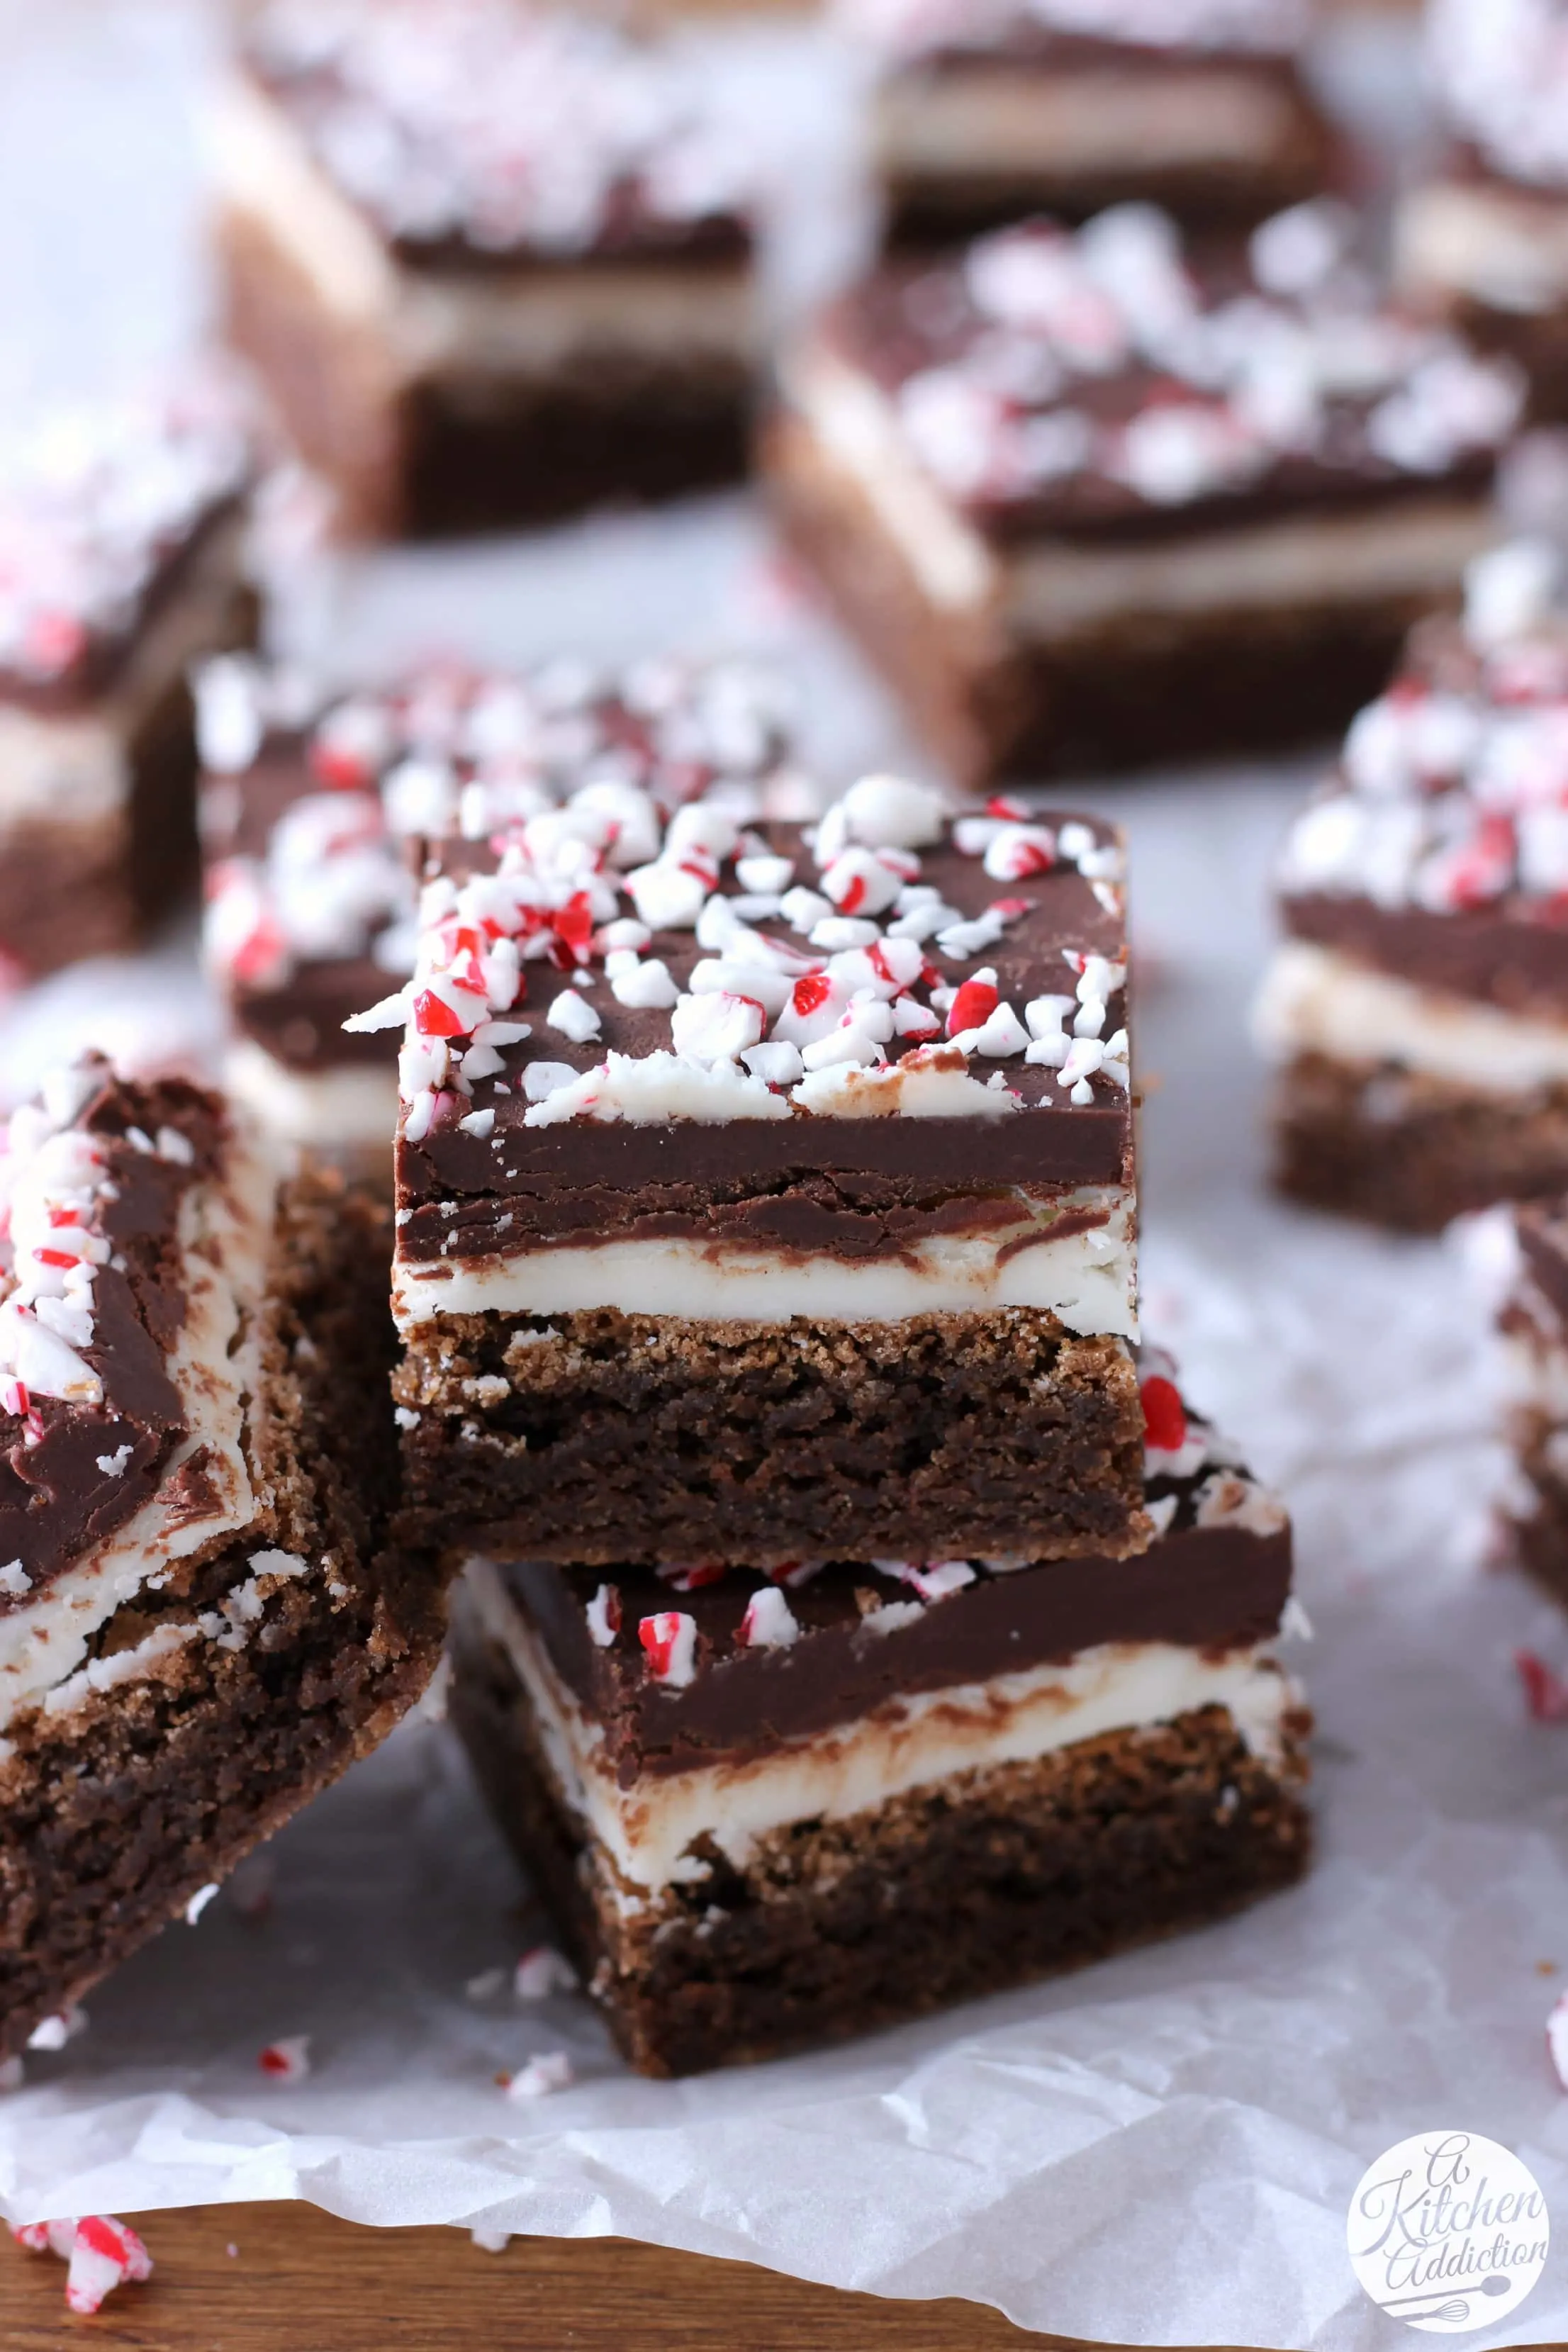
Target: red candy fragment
(670, 1640)
(434, 1017)
(286, 2060)
(103, 2254)
(811, 992)
(1165, 1416)
(1545, 1691)
(973, 1006)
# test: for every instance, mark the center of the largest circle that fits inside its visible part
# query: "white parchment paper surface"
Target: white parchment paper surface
(1160, 2151)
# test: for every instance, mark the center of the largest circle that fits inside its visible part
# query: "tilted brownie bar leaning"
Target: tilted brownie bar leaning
(982, 114)
(199, 1625)
(1484, 240)
(767, 1811)
(1418, 1006)
(1099, 500)
(493, 262)
(794, 1213)
(1533, 1329)
(120, 564)
(311, 801)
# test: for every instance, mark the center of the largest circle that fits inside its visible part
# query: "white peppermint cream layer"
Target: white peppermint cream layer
(998, 118)
(911, 1742)
(1314, 1000)
(1505, 248)
(432, 323)
(1087, 1279)
(351, 1111)
(225, 1232)
(73, 769)
(1050, 591)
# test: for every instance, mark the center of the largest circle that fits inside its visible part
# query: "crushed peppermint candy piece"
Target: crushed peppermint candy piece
(542, 1971)
(603, 1615)
(769, 1623)
(287, 2059)
(1164, 1415)
(1545, 1690)
(551, 2071)
(102, 2253)
(54, 2032)
(670, 1637)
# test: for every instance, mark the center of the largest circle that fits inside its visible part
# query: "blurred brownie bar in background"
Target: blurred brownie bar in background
(1096, 499)
(796, 1216)
(768, 1810)
(987, 110)
(121, 562)
(1418, 1006)
(198, 1625)
(311, 801)
(1533, 1329)
(1484, 239)
(495, 264)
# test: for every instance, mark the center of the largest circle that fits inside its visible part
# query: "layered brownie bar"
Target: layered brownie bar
(771, 1810)
(1533, 1323)
(198, 1626)
(1096, 500)
(494, 262)
(121, 562)
(311, 801)
(1485, 239)
(1418, 1006)
(766, 1192)
(986, 110)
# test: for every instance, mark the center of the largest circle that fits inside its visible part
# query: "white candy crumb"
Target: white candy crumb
(552, 2071)
(199, 1901)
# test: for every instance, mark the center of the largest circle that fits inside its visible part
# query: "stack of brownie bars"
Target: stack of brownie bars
(843, 1633)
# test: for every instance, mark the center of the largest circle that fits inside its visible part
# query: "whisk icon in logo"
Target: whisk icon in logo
(1447, 2231)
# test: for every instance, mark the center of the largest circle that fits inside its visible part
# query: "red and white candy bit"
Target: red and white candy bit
(972, 1005)
(542, 1971)
(670, 1637)
(106, 2255)
(768, 1624)
(933, 1580)
(53, 2031)
(103, 2254)
(1557, 2039)
(603, 1615)
(1164, 1415)
(1545, 1691)
(286, 2060)
(552, 2071)
(691, 1577)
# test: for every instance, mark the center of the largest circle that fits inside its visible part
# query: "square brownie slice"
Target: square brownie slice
(493, 262)
(313, 801)
(1104, 498)
(982, 115)
(200, 1622)
(768, 1190)
(1417, 1007)
(120, 564)
(771, 1810)
(1483, 239)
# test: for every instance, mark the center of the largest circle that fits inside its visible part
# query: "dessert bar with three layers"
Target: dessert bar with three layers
(199, 1625)
(767, 1191)
(983, 114)
(120, 564)
(768, 1810)
(1484, 239)
(1417, 1007)
(1533, 1330)
(1096, 499)
(311, 803)
(493, 263)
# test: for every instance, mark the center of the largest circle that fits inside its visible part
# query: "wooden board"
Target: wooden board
(286, 2278)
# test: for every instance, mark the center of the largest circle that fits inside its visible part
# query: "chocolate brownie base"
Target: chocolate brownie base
(1541, 1539)
(599, 1437)
(64, 894)
(113, 1816)
(450, 454)
(1146, 689)
(1401, 1149)
(837, 1927)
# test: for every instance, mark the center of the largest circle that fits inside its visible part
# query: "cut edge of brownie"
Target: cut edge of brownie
(117, 1812)
(936, 1435)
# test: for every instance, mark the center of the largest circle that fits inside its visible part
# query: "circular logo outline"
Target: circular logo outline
(1448, 2231)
